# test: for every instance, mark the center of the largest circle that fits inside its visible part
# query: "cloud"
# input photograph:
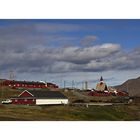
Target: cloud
(79, 55)
(118, 61)
(88, 40)
(54, 60)
(43, 48)
(27, 35)
(54, 28)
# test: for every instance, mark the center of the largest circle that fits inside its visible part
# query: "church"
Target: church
(101, 86)
(103, 90)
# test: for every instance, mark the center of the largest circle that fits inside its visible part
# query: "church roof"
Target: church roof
(101, 79)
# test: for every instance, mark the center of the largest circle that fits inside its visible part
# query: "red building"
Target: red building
(27, 84)
(36, 97)
(51, 85)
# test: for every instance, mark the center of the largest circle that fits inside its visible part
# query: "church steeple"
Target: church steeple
(101, 79)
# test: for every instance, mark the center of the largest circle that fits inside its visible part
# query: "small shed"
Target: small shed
(39, 97)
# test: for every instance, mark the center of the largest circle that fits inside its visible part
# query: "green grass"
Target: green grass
(69, 113)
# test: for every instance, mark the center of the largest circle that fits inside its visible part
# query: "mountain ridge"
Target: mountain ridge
(132, 86)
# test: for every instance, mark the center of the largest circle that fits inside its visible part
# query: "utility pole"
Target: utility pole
(72, 84)
(11, 75)
(64, 84)
(86, 85)
(82, 85)
(76, 84)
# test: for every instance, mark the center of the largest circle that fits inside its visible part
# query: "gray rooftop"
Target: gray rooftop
(46, 94)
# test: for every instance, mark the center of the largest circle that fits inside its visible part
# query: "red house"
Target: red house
(36, 97)
(27, 84)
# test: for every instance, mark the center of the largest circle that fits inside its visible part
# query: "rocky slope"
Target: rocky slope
(132, 86)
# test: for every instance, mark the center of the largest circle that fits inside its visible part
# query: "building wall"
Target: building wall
(51, 101)
(28, 86)
(24, 101)
(100, 86)
(39, 101)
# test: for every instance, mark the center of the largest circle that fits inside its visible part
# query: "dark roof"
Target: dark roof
(46, 94)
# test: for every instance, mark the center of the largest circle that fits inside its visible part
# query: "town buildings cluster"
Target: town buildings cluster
(27, 84)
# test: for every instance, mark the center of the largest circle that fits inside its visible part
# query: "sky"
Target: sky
(70, 50)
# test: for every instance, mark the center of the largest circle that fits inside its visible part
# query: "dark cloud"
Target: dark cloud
(41, 59)
(28, 49)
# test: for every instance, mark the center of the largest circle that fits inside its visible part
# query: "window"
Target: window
(25, 100)
(15, 100)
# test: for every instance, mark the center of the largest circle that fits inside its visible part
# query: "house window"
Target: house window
(15, 100)
(25, 100)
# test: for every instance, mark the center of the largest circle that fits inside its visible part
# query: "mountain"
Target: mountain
(132, 86)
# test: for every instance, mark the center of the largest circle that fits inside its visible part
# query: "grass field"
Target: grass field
(69, 113)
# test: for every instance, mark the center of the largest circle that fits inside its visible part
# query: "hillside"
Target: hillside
(69, 113)
(132, 86)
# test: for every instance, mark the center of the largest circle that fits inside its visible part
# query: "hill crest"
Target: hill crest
(132, 86)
